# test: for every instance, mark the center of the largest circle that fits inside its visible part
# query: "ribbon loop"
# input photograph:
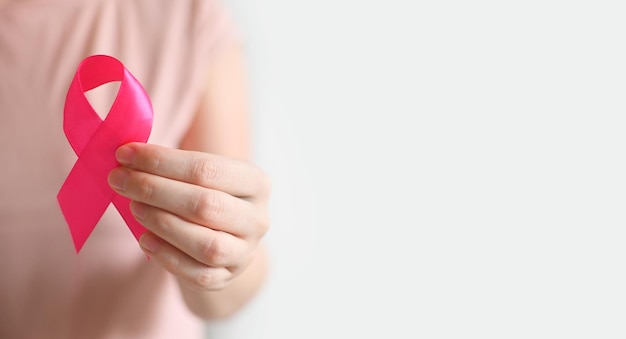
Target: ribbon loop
(85, 194)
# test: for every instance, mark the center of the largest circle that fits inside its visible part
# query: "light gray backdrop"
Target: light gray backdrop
(442, 169)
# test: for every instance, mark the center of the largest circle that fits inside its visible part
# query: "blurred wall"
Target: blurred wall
(442, 169)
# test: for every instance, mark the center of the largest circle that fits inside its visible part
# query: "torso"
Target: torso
(109, 290)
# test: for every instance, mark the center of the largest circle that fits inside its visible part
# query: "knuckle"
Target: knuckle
(145, 188)
(148, 160)
(205, 279)
(162, 222)
(204, 171)
(214, 252)
(172, 264)
(263, 224)
(207, 206)
(266, 183)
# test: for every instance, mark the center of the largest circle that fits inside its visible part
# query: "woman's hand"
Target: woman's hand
(205, 213)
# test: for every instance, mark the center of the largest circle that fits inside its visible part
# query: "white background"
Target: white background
(442, 169)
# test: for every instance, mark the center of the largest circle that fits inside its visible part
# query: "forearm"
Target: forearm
(226, 302)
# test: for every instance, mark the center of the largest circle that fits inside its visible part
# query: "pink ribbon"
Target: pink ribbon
(86, 194)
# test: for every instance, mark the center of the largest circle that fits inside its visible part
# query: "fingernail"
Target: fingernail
(118, 179)
(125, 155)
(139, 210)
(149, 242)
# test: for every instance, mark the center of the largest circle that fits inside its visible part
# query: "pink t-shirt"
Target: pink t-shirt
(109, 290)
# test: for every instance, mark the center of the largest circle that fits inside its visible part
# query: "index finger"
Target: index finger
(232, 176)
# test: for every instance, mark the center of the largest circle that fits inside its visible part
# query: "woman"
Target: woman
(192, 185)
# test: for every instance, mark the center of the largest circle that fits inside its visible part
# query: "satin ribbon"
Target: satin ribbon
(86, 194)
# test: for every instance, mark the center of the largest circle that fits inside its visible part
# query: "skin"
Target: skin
(204, 204)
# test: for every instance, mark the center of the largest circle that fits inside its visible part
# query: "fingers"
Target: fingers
(232, 176)
(205, 213)
(183, 266)
(204, 245)
(203, 206)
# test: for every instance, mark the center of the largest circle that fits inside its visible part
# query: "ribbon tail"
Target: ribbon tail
(123, 207)
(83, 202)
(85, 195)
